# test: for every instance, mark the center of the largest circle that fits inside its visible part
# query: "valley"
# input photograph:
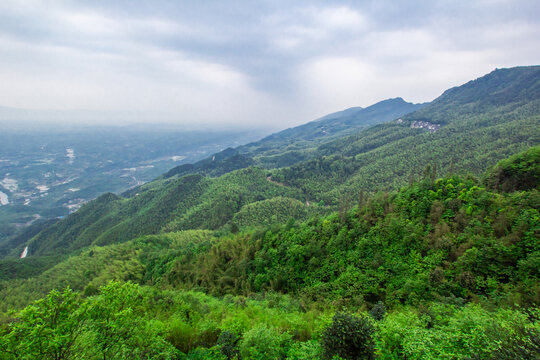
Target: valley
(47, 174)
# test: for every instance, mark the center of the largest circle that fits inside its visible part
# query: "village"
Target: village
(422, 125)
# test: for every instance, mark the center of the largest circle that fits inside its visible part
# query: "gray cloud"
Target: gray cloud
(246, 62)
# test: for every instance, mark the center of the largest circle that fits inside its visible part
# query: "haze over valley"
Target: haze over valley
(49, 172)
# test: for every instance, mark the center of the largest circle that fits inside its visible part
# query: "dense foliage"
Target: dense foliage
(450, 240)
(189, 202)
(107, 326)
(454, 264)
(519, 172)
(126, 321)
(272, 211)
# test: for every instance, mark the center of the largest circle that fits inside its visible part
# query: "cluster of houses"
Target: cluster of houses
(422, 125)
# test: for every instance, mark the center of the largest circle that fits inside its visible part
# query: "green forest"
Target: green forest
(390, 243)
(444, 268)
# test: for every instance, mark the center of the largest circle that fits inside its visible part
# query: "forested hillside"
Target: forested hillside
(476, 132)
(475, 135)
(442, 268)
(438, 238)
(189, 202)
(174, 202)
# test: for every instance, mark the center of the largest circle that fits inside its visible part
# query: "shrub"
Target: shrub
(263, 343)
(470, 332)
(378, 311)
(181, 335)
(207, 333)
(204, 354)
(349, 337)
(47, 329)
(228, 344)
(305, 350)
(526, 346)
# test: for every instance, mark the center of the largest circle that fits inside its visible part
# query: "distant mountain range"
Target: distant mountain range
(297, 144)
(339, 124)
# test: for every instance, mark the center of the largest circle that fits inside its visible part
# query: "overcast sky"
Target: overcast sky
(257, 63)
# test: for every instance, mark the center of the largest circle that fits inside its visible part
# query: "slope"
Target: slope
(189, 202)
(451, 240)
(477, 131)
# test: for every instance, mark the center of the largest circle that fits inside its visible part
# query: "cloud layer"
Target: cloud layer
(265, 63)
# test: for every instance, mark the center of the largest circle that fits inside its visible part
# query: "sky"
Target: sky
(252, 63)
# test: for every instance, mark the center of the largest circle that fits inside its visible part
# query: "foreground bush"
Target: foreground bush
(349, 337)
(65, 326)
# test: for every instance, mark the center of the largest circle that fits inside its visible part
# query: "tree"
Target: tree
(47, 329)
(119, 328)
(348, 337)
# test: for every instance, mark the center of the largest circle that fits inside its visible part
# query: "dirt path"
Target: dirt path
(269, 178)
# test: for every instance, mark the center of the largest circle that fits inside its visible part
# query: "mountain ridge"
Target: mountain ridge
(302, 139)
